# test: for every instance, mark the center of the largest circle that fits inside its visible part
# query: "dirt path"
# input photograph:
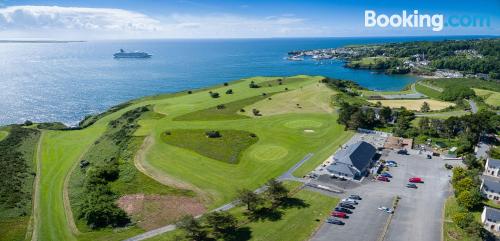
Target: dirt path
(144, 167)
(33, 225)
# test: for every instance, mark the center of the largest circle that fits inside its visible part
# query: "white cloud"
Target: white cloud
(85, 23)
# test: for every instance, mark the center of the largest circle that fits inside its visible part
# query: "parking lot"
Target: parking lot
(419, 212)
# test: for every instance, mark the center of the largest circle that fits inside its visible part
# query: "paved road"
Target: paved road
(473, 106)
(285, 176)
(419, 214)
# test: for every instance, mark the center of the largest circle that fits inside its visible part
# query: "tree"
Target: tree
(213, 134)
(425, 107)
(28, 123)
(458, 174)
(464, 184)
(214, 94)
(249, 198)
(222, 223)
(385, 114)
(253, 85)
(256, 112)
(469, 199)
(276, 191)
(229, 91)
(462, 219)
(194, 230)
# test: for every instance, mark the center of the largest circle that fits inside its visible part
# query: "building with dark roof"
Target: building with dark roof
(353, 162)
(490, 187)
(491, 219)
(492, 167)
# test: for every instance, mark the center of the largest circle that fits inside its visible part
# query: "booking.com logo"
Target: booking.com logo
(416, 20)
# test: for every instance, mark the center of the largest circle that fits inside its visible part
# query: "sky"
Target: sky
(127, 19)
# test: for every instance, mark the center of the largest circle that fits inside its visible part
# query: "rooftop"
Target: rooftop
(493, 163)
(358, 155)
(492, 214)
(491, 184)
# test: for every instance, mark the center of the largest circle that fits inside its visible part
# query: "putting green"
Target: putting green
(303, 124)
(268, 152)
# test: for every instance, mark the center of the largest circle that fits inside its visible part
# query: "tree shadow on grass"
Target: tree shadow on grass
(265, 213)
(240, 234)
(291, 202)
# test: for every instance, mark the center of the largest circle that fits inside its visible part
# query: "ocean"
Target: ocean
(64, 82)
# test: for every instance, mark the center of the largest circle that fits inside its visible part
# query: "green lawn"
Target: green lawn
(13, 228)
(3, 134)
(227, 148)
(432, 93)
(280, 145)
(490, 97)
(297, 222)
(467, 82)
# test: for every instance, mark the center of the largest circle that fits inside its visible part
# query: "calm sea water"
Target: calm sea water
(66, 81)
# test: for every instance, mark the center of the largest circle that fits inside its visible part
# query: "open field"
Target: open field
(427, 89)
(279, 146)
(490, 97)
(467, 82)
(414, 104)
(3, 134)
(314, 98)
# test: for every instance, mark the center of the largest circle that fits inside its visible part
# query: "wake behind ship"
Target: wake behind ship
(123, 54)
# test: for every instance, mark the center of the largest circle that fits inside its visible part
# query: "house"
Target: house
(492, 167)
(353, 162)
(490, 187)
(491, 219)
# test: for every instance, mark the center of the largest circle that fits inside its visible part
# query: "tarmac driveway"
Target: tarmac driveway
(418, 215)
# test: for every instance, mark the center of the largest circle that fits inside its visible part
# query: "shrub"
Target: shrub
(221, 106)
(190, 92)
(226, 84)
(242, 110)
(214, 95)
(28, 123)
(229, 91)
(253, 85)
(256, 112)
(213, 134)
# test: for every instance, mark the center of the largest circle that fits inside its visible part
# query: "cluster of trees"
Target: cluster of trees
(213, 94)
(354, 116)
(221, 225)
(468, 128)
(253, 85)
(98, 207)
(15, 167)
(466, 184)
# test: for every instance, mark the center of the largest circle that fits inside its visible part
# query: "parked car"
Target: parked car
(349, 200)
(391, 163)
(386, 174)
(339, 214)
(334, 221)
(382, 178)
(344, 210)
(429, 157)
(346, 205)
(386, 209)
(403, 152)
(411, 185)
(355, 197)
(416, 180)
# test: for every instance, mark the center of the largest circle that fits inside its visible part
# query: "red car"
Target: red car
(339, 214)
(416, 180)
(382, 178)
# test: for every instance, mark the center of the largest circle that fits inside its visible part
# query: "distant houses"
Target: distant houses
(491, 219)
(353, 162)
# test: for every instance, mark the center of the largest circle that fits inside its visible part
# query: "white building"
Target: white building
(492, 167)
(490, 188)
(491, 219)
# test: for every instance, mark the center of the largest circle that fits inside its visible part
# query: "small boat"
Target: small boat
(138, 55)
(295, 58)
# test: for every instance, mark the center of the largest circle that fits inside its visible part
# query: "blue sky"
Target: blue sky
(227, 19)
